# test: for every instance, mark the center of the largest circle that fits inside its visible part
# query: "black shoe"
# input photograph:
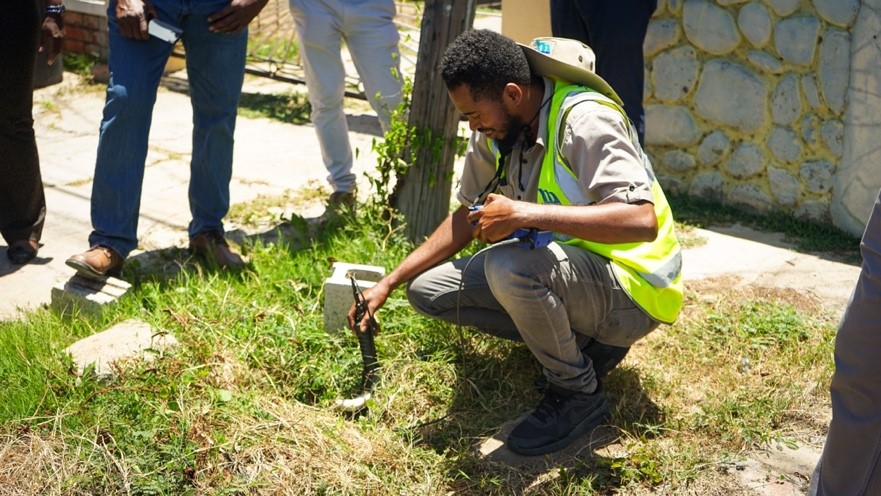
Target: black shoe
(22, 251)
(562, 417)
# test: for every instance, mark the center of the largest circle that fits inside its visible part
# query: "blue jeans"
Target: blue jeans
(215, 69)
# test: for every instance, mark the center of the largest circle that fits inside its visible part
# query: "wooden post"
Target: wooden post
(424, 198)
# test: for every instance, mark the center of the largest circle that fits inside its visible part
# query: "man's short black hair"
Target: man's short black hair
(486, 61)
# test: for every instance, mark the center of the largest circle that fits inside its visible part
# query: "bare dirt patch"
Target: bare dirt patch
(731, 287)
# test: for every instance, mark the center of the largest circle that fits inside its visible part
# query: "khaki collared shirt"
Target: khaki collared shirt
(595, 143)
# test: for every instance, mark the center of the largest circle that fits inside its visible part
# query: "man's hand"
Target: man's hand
(132, 17)
(235, 16)
(498, 218)
(375, 296)
(52, 36)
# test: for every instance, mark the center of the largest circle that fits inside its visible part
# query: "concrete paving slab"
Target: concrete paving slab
(123, 341)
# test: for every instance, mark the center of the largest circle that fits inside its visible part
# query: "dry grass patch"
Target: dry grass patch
(742, 367)
(302, 450)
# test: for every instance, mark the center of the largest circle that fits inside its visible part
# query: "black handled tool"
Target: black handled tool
(368, 353)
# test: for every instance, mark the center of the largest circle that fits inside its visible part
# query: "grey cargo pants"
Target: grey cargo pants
(554, 299)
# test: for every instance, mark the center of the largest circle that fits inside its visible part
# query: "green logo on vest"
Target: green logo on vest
(549, 197)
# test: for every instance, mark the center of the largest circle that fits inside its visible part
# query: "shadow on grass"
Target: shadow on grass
(166, 264)
(494, 393)
(294, 108)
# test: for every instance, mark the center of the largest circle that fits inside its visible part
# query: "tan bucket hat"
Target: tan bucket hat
(566, 59)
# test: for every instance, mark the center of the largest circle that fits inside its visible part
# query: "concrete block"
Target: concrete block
(338, 296)
(87, 295)
(123, 341)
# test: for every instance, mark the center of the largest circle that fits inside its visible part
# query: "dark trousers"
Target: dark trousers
(851, 461)
(615, 30)
(22, 204)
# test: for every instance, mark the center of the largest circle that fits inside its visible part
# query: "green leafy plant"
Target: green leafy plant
(394, 155)
(80, 63)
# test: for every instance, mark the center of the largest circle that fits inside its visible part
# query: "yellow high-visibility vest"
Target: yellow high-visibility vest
(650, 272)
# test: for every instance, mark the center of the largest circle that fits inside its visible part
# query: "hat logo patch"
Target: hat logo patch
(543, 47)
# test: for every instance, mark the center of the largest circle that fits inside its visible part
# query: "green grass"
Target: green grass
(292, 108)
(284, 49)
(244, 404)
(806, 235)
(79, 63)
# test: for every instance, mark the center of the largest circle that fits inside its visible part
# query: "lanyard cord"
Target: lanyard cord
(503, 155)
(494, 182)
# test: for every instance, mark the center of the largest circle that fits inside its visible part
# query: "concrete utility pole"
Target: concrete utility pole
(424, 197)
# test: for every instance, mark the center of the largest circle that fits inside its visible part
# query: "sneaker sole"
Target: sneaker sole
(589, 422)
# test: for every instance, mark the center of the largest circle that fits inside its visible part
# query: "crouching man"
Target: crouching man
(551, 149)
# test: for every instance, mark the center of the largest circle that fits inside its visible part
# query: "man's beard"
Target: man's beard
(513, 129)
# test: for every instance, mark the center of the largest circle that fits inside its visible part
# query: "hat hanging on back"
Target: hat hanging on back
(566, 59)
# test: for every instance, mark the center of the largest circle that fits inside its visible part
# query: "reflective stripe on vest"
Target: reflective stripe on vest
(650, 272)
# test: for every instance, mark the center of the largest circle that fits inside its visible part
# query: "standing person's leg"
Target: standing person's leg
(616, 31)
(851, 461)
(22, 202)
(215, 70)
(135, 70)
(372, 39)
(318, 30)
(566, 21)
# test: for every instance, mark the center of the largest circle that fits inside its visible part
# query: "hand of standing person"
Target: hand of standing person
(52, 35)
(133, 16)
(236, 16)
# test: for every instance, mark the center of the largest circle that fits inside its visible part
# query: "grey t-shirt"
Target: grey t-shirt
(595, 143)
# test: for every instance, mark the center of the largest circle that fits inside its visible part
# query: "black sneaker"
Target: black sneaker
(562, 417)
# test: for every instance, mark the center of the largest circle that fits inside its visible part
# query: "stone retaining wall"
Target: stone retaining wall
(751, 103)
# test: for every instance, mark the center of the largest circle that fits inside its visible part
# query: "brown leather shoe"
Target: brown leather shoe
(98, 261)
(213, 247)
